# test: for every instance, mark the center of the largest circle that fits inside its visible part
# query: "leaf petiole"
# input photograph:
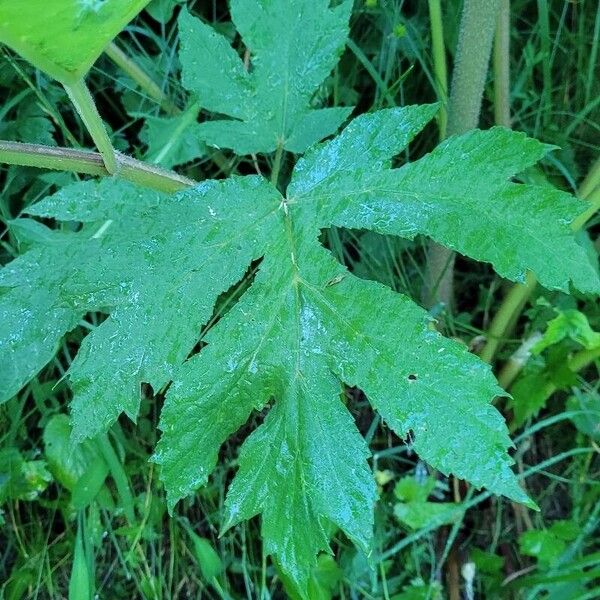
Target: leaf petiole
(277, 164)
(83, 102)
(91, 163)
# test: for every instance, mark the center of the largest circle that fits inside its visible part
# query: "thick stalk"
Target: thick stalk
(146, 83)
(86, 107)
(512, 305)
(514, 365)
(91, 163)
(477, 26)
(440, 69)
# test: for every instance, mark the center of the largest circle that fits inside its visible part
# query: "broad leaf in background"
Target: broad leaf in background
(303, 327)
(294, 45)
(31, 123)
(162, 10)
(64, 37)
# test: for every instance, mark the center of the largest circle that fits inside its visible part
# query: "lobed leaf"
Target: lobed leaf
(303, 328)
(294, 44)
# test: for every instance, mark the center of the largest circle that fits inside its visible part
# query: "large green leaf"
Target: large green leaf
(294, 45)
(303, 327)
(64, 37)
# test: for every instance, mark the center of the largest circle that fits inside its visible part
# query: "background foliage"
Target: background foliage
(97, 518)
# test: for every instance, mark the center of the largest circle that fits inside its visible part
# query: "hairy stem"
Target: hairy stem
(86, 107)
(91, 163)
(478, 23)
(146, 83)
(477, 26)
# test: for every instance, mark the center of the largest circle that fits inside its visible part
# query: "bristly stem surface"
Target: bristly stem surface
(501, 66)
(477, 26)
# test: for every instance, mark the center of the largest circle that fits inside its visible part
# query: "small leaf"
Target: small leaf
(530, 395)
(541, 545)
(21, 479)
(587, 423)
(162, 10)
(208, 560)
(64, 37)
(67, 462)
(416, 511)
(324, 579)
(420, 591)
(571, 324)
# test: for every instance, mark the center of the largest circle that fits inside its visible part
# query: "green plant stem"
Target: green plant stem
(512, 305)
(501, 66)
(91, 163)
(589, 190)
(119, 476)
(146, 83)
(86, 107)
(515, 300)
(514, 365)
(143, 80)
(277, 165)
(440, 69)
(477, 26)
